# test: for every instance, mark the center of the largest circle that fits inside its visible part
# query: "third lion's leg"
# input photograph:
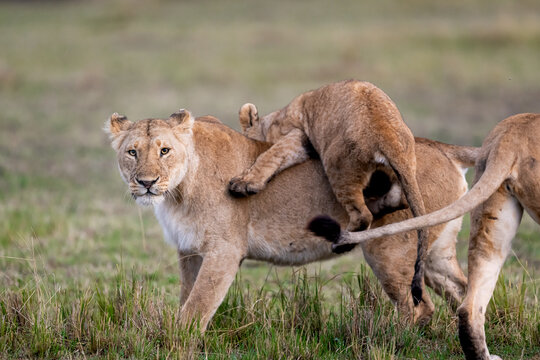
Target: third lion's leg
(493, 226)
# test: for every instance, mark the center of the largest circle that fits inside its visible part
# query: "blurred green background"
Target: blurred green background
(453, 68)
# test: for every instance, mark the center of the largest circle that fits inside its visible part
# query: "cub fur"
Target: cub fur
(213, 232)
(355, 128)
(507, 181)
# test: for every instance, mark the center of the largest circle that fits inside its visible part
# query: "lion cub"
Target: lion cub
(354, 127)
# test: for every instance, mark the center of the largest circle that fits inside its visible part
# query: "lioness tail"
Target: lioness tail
(498, 167)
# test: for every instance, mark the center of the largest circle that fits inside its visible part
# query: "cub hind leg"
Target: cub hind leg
(349, 176)
(394, 143)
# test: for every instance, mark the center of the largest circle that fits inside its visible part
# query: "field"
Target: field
(84, 272)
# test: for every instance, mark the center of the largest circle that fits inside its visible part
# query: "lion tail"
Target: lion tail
(465, 156)
(497, 169)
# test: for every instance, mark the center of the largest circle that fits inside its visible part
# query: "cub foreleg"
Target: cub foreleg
(288, 151)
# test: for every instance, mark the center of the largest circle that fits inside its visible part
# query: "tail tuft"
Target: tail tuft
(416, 294)
(325, 226)
(416, 285)
(341, 249)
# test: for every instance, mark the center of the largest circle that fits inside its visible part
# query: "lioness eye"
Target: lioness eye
(165, 151)
(132, 152)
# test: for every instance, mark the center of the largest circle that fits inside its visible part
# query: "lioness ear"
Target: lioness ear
(248, 115)
(181, 120)
(116, 124)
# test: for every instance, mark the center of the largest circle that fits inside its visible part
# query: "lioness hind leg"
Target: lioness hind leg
(403, 162)
(399, 291)
(392, 259)
(443, 273)
(493, 225)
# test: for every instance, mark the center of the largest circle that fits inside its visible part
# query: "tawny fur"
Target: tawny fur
(214, 232)
(355, 128)
(507, 181)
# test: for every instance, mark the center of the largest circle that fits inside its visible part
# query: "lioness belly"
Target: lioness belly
(278, 217)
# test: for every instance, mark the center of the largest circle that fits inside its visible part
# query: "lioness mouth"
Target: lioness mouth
(147, 193)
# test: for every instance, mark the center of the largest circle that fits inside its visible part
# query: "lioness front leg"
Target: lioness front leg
(493, 226)
(189, 269)
(215, 276)
(288, 151)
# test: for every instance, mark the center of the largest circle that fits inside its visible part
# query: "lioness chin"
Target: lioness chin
(188, 164)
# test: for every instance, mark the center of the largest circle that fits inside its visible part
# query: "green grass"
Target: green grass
(129, 317)
(85, 273)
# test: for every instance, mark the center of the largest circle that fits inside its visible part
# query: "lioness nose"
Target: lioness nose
(147, 183)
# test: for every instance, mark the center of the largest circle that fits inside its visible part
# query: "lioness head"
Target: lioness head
(152, 154)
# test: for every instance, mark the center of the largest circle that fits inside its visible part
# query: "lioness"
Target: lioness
(507, 181)
(182, 168)
(355, 128)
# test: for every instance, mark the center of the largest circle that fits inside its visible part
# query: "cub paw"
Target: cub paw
(360, 218)
(358, 224)
(238, 187)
